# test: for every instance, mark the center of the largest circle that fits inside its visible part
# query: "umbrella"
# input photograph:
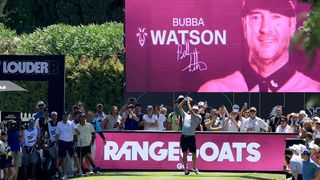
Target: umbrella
(6, 86)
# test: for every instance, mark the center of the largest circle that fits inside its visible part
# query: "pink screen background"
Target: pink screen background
(155, 68)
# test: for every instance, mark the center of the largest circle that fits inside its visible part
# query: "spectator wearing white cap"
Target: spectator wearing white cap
(41, 106)
(316, 133)
(150, 120)
(296, 162)
(302, 116)
(100, 115)
(234, 121)
(254, 123)
(314, 119)
(160, 118)
(314, 152)
(202, 112)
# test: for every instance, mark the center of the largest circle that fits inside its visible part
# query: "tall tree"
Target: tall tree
(309, 35)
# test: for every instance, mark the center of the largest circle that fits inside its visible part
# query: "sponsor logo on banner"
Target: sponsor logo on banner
(217, 151)
(29, 67)
(131, 150)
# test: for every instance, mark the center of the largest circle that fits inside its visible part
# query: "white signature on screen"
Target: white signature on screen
(194, 62)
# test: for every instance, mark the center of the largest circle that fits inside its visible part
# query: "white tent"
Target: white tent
(6, 86)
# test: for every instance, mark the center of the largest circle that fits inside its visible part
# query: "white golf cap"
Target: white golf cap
(195, 107)
(201, 103)
(296, 147)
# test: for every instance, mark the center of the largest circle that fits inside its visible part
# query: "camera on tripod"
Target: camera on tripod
(12, 125)
(10, 120)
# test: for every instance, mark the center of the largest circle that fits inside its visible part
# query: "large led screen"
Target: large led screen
(216, 46)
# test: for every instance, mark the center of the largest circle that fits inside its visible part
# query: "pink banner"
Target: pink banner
(216, 151)
(200, 46)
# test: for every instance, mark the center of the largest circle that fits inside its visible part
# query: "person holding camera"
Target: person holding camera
(112, 121)
(213, 122)
(6, 159)
(30, 157)
(131, 120)
(188, 140)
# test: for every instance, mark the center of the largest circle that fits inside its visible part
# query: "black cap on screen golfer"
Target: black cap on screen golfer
(283, 7)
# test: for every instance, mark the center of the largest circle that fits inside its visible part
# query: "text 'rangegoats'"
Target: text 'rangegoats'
(159, 151)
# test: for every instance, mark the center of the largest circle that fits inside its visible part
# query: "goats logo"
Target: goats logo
(142, 36)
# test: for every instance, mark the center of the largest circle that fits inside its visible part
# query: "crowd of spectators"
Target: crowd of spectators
(45, 138)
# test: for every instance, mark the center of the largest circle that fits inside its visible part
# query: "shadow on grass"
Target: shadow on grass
(232, 176)
(123, 174)
(181, 175)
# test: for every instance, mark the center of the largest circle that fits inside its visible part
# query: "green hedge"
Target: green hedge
(94, 63)
(8, 40)
(94, 81)
(93, 41)
(27, 15)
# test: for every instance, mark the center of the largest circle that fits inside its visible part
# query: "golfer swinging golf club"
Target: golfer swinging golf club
(188, 139)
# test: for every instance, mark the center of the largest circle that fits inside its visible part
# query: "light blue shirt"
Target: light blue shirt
(296, 164)
(96, 125)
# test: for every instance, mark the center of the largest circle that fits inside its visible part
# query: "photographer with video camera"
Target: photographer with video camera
(30, 157)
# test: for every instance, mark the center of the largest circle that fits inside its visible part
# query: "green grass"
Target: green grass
(181, 176)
